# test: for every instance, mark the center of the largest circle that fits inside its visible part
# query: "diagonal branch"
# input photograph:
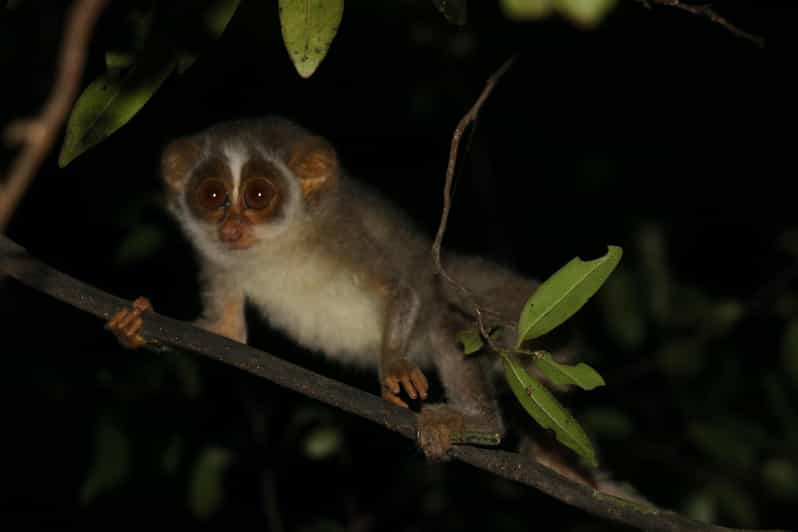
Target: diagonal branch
(469, 118)
(706, 11)
(38, 134)
(16, 263)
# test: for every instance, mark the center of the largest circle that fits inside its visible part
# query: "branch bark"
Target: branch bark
(706, 11)
(38, 134)
(18, 264)
(469, 118)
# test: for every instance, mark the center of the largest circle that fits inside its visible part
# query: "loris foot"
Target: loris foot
(435, 427)
(403, 374)
(126, 324)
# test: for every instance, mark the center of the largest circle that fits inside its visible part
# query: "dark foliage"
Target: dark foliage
(659, 131)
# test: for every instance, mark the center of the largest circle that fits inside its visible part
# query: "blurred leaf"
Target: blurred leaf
(172, 455)
(309, 27)
(188, 374)
(724, 314)
(608, 422)
(721, 444)
(322, 443)
(580, 375)
(527, 9)
(111, 463)
(205, 486)
(546, 410)
(560, 296)
(471, 340)
(788, 241)
(780, 476)
(681, 358)
(622, 310)
(323, 525)
(140, 244)
(702, 507)
(781, 407)
(455, 11)
(117, 60)
(587, 13)
(789, 351)
(691, 305)
(735, 501)
(654, 269)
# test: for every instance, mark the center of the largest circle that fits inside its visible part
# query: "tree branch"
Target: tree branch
(706, 11)
(469, 118)
(16, 263)
(38, 134)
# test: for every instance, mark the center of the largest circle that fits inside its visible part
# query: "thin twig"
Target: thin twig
(38, 134)
(16, 263)
(707, 12)
(467, 119)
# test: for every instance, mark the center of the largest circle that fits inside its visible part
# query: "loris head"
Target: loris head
(241, 185)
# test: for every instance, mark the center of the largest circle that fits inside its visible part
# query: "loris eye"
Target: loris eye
(259, 193)
(211, 194)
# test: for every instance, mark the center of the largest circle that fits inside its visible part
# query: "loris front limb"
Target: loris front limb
(222, 305)
(396, 372)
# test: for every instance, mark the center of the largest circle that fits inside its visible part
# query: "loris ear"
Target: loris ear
(315, 163)
(177, 160)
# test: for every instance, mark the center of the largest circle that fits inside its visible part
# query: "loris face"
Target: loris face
(237, 186)
(234, 197)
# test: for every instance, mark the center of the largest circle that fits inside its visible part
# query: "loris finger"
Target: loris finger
(392, 383)
(395, 400)
(420, 382)
(409, 387)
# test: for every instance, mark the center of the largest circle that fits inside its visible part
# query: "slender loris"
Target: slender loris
(276, 222)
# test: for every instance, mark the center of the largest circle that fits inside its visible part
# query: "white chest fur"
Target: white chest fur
(319, 305)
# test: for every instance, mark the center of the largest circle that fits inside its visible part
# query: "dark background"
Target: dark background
(659, 131)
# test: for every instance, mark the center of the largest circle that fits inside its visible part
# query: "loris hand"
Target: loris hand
(126, 324)
(401, 374)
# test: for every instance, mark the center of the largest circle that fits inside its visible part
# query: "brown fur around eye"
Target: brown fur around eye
(260, 193)
(262, 190)
(208, 191)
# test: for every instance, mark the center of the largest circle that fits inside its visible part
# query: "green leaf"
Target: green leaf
(527, 9)
(205, 488)
(587, 13)
(564, 293)
(546, 410)
(309, 27)
(213, 19)
(455, 11)
(471, 340)
(580, 375)
(110, 101)
(111, 463)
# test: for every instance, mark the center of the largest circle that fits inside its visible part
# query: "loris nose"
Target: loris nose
(231, 231)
